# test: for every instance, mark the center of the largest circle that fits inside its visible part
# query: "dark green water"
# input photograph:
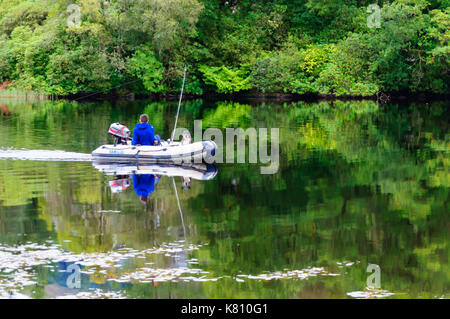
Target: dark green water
(358, 184)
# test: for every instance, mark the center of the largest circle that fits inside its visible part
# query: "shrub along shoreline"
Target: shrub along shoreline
(332, 49)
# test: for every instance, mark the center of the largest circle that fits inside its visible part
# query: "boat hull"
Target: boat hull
(166, 153)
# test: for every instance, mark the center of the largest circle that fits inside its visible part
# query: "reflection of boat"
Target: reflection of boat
(173, 152)
(195, 171)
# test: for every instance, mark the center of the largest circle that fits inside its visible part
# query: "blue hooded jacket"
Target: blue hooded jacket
(143, 134)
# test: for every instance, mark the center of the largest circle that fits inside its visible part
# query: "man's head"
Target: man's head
(143, 118)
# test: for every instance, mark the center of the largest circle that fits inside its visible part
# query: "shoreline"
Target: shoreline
(240, 96)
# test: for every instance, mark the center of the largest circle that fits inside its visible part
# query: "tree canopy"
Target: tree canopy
(301, 46)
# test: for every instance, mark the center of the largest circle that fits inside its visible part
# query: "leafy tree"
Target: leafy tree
(226, 80)
(299, 46)
(146, 67)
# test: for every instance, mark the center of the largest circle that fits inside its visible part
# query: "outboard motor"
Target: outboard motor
(120, 132)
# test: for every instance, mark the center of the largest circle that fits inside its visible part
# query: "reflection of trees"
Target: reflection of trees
(22, 223)
(349, 187)
(227, 115)
(75, 202)
(117, 220)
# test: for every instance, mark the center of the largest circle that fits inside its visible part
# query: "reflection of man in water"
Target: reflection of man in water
(144, 185)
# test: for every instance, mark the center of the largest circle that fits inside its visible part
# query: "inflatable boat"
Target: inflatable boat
(166, 151)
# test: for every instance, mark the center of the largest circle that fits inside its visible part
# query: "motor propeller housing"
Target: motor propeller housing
(120, 132)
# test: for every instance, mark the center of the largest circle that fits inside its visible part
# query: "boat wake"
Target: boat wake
(43, 155)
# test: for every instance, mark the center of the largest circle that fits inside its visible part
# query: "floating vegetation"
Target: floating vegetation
(370, 293)
(96, 294)
(147, 275)
(290, 274)
(18, 266)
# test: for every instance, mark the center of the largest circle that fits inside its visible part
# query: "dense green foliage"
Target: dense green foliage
(292, 46)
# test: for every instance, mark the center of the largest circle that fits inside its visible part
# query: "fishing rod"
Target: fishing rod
(179, 104)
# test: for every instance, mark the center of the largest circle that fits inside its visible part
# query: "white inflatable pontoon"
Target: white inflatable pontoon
(173, 152)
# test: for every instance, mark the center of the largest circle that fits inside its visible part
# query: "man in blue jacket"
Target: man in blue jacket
(144, 133)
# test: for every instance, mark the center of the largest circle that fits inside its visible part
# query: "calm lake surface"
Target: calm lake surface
(358, 184)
